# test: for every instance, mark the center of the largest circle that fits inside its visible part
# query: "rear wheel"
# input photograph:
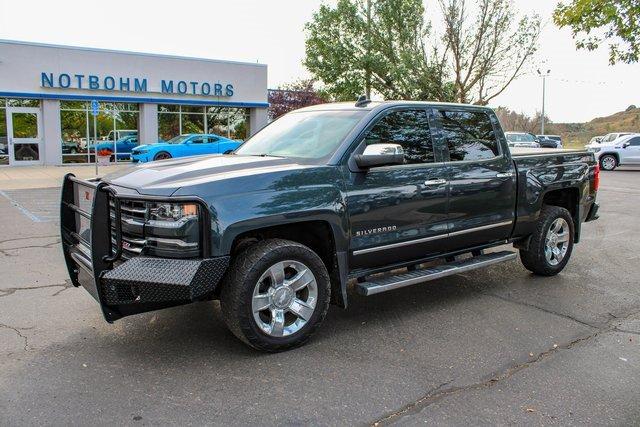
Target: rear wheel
(163, 155)
(608, 162)
(276, 294)
(551, 243)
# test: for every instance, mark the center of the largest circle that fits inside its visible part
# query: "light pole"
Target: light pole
(544, 80)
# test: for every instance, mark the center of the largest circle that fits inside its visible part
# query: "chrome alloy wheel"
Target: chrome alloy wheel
(556, 242)
(608, 162)
(284, 298)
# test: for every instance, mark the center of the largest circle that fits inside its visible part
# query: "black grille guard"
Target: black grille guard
(139, 284)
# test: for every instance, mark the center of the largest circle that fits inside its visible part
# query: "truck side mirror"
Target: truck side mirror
(380, 155)
(626, 144)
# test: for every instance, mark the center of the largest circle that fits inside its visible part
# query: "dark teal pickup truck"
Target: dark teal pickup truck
(374, 195)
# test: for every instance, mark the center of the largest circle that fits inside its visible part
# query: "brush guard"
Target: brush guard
(139, 284)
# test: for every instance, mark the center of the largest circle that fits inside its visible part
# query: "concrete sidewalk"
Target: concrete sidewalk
(22, 177)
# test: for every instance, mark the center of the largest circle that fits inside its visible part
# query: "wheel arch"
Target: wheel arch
(325, 237)
(568, 198)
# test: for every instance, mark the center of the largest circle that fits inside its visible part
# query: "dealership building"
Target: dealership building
(54, 99)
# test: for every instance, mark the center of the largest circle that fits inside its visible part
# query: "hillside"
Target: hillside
(576, 135)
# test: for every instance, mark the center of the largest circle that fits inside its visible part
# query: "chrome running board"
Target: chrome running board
(389, 282)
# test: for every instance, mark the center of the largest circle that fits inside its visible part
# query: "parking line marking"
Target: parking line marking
(22, 209)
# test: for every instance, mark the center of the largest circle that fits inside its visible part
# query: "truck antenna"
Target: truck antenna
(362, 101)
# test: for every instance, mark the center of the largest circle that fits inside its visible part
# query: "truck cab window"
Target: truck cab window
(408, 128)
(468, 134)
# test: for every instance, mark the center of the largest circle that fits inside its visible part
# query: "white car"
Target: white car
(624, 151)
(611, 137)
(522, 139)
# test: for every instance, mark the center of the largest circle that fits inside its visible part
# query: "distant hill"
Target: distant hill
(577, 135)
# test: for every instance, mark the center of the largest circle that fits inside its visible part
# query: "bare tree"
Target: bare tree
(519, 122)
(486, 53)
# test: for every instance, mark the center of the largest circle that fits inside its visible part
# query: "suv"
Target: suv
(624, 151)
(522, 139)
(380, 195)
(550, 141)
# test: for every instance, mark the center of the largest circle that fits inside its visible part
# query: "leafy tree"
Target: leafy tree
(488, 52)
(360, 46)
(387, 46)
(593, 22)
(292, 96)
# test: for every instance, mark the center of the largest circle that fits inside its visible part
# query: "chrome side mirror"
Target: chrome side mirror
(380, 155)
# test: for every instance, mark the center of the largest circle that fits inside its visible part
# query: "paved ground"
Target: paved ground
(498, 346)
(24, 177)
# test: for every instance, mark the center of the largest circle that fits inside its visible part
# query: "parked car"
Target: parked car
(124, 147)
(115, 135)
(322, 196)
(550, 141)
(192, 144)
(71, 147)
(624, 151)
(595, 140)
(611, 137)
(522, 139)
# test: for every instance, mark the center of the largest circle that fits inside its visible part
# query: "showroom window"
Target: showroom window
(117, 131)
(174, 120)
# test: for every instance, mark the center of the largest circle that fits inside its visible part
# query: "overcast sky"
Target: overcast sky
(582, 84)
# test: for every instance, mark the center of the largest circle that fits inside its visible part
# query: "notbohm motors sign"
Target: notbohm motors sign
(134, 84)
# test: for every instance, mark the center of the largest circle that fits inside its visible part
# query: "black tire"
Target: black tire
(242, 278)
(608, 162)
(534, 258)
(163, 155)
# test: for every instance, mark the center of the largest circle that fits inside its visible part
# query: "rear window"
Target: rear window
(469, 135)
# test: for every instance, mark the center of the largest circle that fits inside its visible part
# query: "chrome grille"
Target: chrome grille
(133, 214)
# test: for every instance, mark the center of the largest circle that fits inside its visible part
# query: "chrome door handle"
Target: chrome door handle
(504, 175)
(439, 181)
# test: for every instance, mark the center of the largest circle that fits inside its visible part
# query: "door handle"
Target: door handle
(504, 175)
(439, 181)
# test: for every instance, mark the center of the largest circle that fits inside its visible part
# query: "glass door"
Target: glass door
(24, 130)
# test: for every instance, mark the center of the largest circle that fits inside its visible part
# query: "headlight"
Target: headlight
(172, 211)
(169, 230)
(140, 151)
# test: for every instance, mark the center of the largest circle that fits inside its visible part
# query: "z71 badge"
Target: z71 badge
(387, 229)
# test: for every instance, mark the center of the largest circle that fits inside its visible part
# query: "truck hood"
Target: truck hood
(165, 177)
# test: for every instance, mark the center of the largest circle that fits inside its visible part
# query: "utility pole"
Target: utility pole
(367, 71)
(544, 80)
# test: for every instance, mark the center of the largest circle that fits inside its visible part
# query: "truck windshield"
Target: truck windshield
(308, 135)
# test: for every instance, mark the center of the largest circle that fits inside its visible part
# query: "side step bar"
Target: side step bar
(390, 282)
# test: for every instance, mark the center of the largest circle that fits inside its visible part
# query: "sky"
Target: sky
(581, 86)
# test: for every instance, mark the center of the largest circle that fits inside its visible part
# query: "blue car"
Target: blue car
(184, 145)
(124, 145)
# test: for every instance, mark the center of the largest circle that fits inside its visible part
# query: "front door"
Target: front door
(24, 130)
(631, 153)
(398, 213)
(482, 178)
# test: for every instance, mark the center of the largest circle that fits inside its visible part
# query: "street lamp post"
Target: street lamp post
(544, 79)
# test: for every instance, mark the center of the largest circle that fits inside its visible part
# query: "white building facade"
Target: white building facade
(55, 101)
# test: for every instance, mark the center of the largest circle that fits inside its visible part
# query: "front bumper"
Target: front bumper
(132, 286)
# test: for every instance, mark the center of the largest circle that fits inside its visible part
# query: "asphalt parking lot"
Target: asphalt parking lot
(498, 346)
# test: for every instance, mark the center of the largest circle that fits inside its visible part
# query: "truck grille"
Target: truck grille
(133, 214)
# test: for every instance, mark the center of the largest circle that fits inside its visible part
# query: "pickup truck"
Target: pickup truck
(373, 196)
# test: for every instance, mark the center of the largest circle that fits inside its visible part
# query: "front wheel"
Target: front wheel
(276, 295)
(551, 243)
(163, 155)
(608, 162)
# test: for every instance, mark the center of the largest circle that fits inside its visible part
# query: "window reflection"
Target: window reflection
(174, 120)
(116, 129)
(469, 135)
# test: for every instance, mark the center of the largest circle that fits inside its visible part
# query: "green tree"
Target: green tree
(593, 22)
(360, 46)
(388, 47)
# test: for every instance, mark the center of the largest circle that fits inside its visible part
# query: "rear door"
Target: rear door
(398, 213)
(481, 175)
